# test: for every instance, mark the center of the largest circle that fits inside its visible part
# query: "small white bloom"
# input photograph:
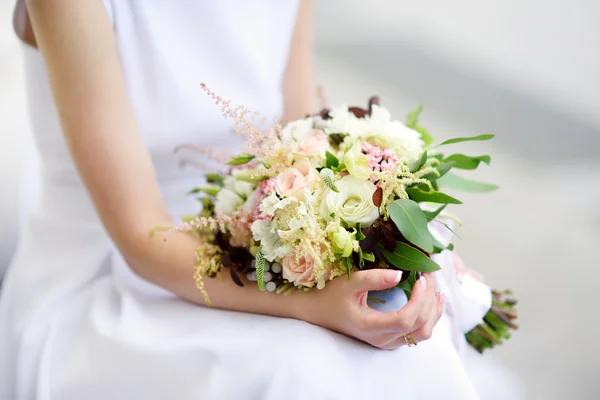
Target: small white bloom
(298, 129)
(265, 232)
(378, 128)
(237, 186)
(353, 203)
(267, 207)
(227, 202)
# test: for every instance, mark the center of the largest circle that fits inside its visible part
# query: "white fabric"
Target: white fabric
(78, 324)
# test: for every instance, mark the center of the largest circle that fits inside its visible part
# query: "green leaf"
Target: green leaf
(214, 178)
(419, 195)
(361, 260)
(430, 215)
(422, 162)
(457, 182)
(359, 233)
(439, 247)
(425, 136)
(260, 270)
(409, 259)
(411, 222)
(347, 264)
(241, 159)
(486, 136)
(412, 119)
(462, 161)
(408, 283)
(210, 190)
(369, 257)
(332, 161)
(442, 170)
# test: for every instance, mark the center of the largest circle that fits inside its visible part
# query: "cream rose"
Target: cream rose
(353, 203)
(299, 272)
(292, 181)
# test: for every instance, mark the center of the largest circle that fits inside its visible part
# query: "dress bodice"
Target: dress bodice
(238, 48)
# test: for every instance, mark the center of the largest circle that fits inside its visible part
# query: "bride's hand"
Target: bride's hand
(342, 307)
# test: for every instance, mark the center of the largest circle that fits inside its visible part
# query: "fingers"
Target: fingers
(426, 331)
(412, 316)
(376, 279)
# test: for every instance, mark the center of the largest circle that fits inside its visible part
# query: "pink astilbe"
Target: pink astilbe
(265, 188)
(379, 159)
(261, 144)
(219, 155)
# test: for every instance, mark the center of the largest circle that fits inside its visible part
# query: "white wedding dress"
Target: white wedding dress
(77, 324)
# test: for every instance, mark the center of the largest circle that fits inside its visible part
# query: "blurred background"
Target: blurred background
(527, 70)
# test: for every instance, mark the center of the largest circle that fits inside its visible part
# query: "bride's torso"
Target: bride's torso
(238, 48)
(167, 49)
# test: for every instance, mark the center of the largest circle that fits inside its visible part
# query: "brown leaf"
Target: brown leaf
(378, 197)
(236, 278)
(358, 112)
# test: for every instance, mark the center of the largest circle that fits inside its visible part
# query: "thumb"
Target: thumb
(376, 279)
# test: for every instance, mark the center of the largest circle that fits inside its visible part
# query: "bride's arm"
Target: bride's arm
(298, 81)
(78, 45)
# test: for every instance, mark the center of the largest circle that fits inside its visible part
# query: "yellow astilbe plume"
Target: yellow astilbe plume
(208, 264)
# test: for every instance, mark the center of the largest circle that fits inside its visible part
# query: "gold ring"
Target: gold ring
(409, 340)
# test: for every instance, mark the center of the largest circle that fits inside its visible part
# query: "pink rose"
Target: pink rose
(314, 144)
(292, 181)
(300, 272)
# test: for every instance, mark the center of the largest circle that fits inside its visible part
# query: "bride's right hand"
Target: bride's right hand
(342, 307)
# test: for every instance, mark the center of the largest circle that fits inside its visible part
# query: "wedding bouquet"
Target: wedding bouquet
(342, 190)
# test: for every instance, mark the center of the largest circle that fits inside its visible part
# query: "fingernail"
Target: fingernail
(440, 297)
(392, 276)
(423, 282)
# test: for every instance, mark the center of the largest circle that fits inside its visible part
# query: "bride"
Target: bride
(92, 308)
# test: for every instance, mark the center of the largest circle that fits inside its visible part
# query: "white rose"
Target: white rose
(227, 202)
(353, 203)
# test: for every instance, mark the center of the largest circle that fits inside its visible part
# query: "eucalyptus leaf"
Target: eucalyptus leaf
(425, 136)
(442, 170)
(462, 161)
(439, 247)
(412, 119)
(421, 162)
(486, 136)
(409, 259)
(430, 215)
(411, 222)
(457, 182)
(419, 195)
